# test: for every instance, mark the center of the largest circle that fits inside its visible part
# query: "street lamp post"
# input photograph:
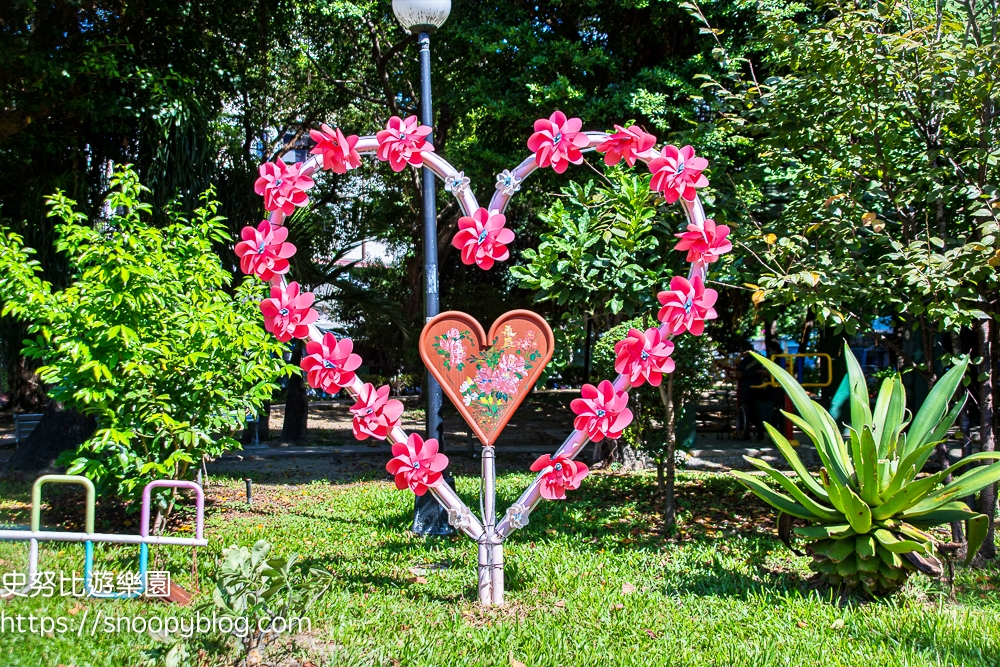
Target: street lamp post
(424, 17)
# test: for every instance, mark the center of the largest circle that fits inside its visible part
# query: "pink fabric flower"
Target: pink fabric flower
(283, 186)
(677, 173)
(687, 305)
(482, 238)
(601, 412)
(644, 357)
(557, 141)
(337, 150)
(417, 464)
(704, 245)
(287, 314)
(403, 142)
(263, 251)
(558, 474)
(330, 365)
(375, 414)
(626, 144)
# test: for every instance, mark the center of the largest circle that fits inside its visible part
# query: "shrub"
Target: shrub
(147, 338)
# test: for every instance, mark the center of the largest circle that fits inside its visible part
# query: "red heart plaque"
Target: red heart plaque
(486, 377)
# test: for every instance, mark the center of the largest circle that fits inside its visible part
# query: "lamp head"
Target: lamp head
(421, 15)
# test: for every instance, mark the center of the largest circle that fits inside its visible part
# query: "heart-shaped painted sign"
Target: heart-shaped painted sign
(486, 376)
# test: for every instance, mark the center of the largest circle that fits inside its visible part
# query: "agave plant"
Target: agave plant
(868, 508)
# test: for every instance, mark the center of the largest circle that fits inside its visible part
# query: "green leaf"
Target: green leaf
(859, 515)
(971, 482)
(911, 494)
(777, 500)
(861, 413)
(935, 406)
(788, 485)
(977, 528)
(795, 462)
(896, 545)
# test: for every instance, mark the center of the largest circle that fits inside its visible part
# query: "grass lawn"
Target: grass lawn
(590, 582)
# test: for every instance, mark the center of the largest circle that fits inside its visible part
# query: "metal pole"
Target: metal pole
(429, 518)
(431, 303)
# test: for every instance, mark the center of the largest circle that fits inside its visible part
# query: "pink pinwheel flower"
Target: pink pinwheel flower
(704, 245)
(417, 464)
(677, 173)
(687, 305)
(283, 186)
(375, 414)
(644, 356)
(482, 238)
(337, 150)
(263, 251)
(601, 412)
(557, 141)
(287, 314)
(558, 474)
(403, 142)
(330, 365)
(626, 145)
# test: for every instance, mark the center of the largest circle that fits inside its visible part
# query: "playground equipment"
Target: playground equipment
(90, 536)
(794, 364)
(483, 239)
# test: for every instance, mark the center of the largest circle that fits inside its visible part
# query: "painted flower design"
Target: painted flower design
(601, 411)
(403, 142)
(558, 475)
(456, 183)
(337, 151)
(330, 364)
(508, 183)
(677, 173)
(417, 464)
(482, 238)
(687, 305)
(375, 414)
(704, 245)
(263, 251)
(626, 144)
(283, 186)
(287, 314)
(644, 357)
(557, 141)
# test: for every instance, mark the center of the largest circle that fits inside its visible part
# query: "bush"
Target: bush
(147, 338)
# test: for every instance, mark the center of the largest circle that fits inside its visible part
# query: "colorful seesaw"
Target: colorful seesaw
(90, 536)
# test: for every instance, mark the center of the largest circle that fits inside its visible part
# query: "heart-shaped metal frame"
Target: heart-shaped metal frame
(487, 533)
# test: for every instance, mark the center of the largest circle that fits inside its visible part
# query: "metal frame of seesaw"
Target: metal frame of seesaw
(90, 536)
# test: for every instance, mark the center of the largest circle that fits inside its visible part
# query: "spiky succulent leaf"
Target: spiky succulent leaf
(818, 511)
(825, 531)
(907, 497)
(896, 545)
(773, 498)
(786, 449)
(861, 412)
(935, 406)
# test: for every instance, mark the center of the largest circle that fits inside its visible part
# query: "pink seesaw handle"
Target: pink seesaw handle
(199, 526)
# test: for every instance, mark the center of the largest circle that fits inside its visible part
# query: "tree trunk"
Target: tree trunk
(987, 443)
(297, 403)
(586, 351)
(26, 392)
(58, 431)
(669, 502)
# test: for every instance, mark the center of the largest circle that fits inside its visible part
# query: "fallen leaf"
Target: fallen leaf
(837, 625)
(516, 663)
(652, 635)
(418, 580)
(801, 624)
(561, 604)
(627, 588)
(75, 609)
(617, 606)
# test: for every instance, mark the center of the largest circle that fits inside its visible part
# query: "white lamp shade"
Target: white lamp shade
(421, 15)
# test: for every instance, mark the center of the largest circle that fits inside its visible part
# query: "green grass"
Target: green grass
(721, 592)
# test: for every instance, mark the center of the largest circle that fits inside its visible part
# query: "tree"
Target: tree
(146, 339)
(878, 135)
